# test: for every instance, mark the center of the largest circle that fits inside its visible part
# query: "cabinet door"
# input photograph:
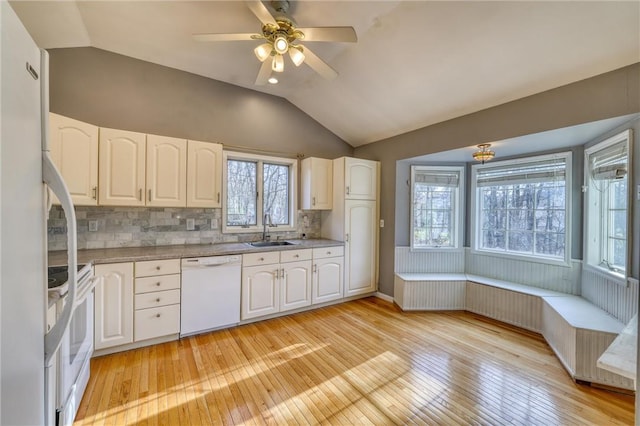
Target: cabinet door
(328, 276)
(317, 184)
(166, 171)
(74, 150)
(113, 305)
(204, 174)
(360, 247)
(295, 285)
(361, 179)
(260, 291)
(121, 175)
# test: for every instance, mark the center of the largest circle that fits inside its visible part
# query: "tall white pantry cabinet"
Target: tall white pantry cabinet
(354, 220)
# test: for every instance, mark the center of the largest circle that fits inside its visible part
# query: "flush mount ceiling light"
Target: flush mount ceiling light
(484, 154)
(281, 35)
(273, 80)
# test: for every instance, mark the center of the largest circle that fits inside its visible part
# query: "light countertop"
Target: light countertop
(133, 254)
(620, 356)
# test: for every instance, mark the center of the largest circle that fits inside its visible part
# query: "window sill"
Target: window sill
(614, 277)
(523, 258)
(256, 230)
(436, 249)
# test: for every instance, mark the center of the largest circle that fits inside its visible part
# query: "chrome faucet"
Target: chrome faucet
(265, 219)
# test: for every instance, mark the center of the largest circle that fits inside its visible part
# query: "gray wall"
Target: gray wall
(111, 90)
(608, 95)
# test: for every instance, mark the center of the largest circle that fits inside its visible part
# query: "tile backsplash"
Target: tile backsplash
(146, 226)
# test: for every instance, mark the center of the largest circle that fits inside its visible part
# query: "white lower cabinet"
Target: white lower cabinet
(275, 282)
(295, 285)
(157, 299)
(328, 274)
(113, 305)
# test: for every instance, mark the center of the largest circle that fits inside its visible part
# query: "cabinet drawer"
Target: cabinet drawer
(156, 322)
(322, 252)
(163, 282)
(264, 258)
(157, 299)
(295, 255)
(157, 267)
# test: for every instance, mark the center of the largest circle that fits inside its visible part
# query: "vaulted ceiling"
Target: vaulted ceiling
(416, 63)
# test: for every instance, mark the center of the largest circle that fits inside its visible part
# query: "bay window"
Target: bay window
(607, 194)
(522, 207)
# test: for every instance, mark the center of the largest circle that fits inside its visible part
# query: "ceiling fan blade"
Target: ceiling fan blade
(264, 73)
(343, 34)
(318, 65)
(261, 12)
(227, 37)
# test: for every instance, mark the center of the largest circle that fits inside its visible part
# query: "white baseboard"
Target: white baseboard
(383, 296)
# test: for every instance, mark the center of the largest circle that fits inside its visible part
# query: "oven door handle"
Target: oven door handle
(84, 290)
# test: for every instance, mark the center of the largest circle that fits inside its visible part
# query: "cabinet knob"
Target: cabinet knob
(297, 255)
(328, 252)
(157, 315)
(158, 284)
(157, 268)
(261, 259)
(158, 300)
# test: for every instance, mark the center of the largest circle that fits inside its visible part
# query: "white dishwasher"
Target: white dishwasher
(210, 293)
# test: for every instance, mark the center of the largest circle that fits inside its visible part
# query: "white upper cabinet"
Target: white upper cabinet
(74, 150)
(204, 174)
(166, 171)
(122, 168)
(317, 184)
(360, 179)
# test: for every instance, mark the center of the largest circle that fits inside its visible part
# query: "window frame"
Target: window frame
(459, 205)
(292, 163)
(601, 233)
(476, 213)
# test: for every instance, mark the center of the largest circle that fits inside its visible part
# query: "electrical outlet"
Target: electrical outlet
(381, 223)
(191, 224)
(93, 226)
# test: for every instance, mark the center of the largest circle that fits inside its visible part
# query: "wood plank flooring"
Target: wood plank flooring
(362, 362)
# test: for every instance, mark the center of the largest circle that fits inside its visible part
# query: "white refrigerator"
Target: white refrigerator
(25, 350)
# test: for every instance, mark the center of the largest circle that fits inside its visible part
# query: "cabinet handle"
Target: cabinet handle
(282, 274)
(149, 195)
(95, 192)
(218, 197)
(346, 239)
(140, 194)
(277, 273)
(348, 190)
(313, 201)
(315, 268)
(157, 315)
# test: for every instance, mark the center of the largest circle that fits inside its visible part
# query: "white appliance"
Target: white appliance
(24, 166)
(210, 293)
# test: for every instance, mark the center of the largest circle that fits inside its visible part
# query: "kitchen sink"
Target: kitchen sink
(271, 243)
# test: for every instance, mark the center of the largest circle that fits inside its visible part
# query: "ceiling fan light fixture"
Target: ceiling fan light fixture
(281, 44)
(263, 51)
(297, 57)
(278, 63)
(484, 153)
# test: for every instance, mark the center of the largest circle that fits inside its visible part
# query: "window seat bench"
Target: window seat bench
(576, 330)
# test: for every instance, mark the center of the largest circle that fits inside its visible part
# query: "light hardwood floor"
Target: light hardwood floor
(362, 362)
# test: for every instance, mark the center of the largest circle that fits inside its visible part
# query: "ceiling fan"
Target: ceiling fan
(281, 35)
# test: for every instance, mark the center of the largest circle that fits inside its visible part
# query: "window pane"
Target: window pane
(241, 193)
(494, 219)
(276, 193)
(494, 197)
(549, 244)
(618, 192)
(619, 254)
(618, 220)
(521, 242)
(493, 239)
(550, 220)
(521, 220)
(550, 196)
(520, 196)
(433, 215)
